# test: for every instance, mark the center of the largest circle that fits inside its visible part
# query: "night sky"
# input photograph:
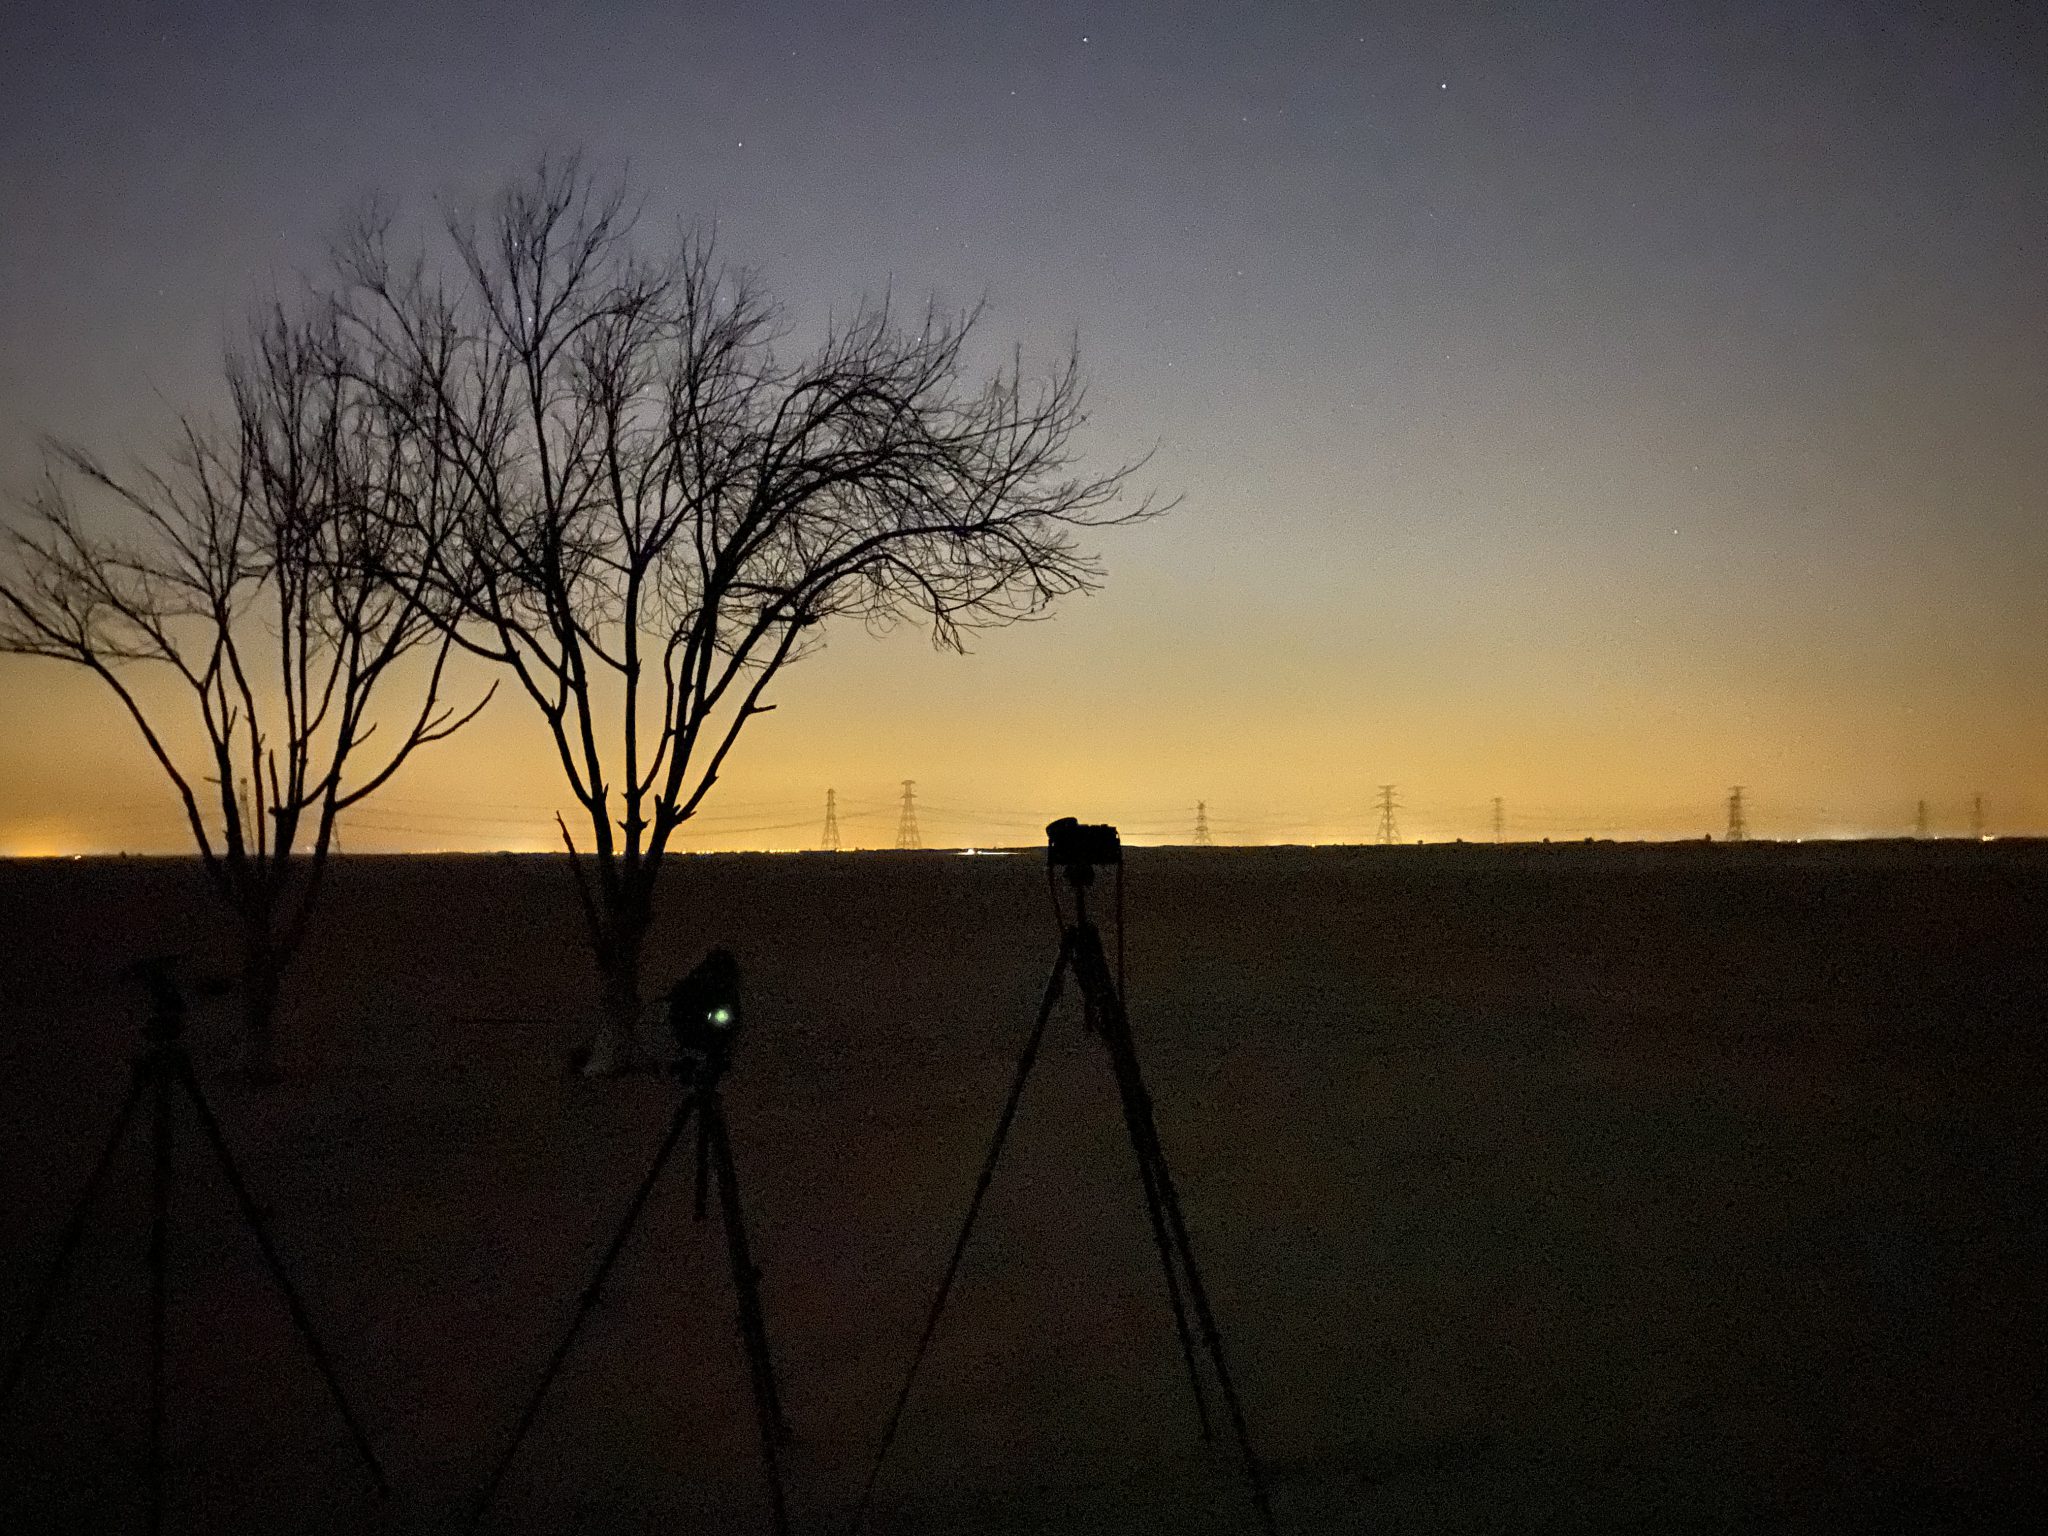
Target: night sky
(1595, 405)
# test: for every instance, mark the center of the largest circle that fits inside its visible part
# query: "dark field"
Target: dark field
(1539, 1189)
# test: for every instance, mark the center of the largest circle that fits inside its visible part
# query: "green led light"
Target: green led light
(721, 1015)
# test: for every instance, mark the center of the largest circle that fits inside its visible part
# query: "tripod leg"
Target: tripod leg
(746, 1284)
(252, 1218)
(74, 1230)
(699, 1208)
(584, 1304)
(988, 1172)
(1146, 1129)
(159, 1244)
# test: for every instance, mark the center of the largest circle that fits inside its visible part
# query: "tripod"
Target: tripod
(1081, 954)
(714, 1164)
(161, 1067)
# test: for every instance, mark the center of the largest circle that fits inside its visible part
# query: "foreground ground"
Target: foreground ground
(1539, 1189)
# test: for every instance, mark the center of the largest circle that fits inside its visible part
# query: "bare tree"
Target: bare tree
(249, 566)
(654, 509)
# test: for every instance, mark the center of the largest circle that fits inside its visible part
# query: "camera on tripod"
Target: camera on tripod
(1077, 847)
(704, 1016)
(704, 1011)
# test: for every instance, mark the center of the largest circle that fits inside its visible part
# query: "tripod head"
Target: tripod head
(157, 976)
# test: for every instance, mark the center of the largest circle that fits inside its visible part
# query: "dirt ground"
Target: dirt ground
(1570, 1188)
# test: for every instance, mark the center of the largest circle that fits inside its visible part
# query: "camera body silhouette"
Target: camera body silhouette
(1078, 846)
(704, 1012)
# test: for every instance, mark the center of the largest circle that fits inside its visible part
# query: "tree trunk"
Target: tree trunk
(615, 1048)
(262, 978)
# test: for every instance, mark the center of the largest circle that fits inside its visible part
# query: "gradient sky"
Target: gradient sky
(1595, 405)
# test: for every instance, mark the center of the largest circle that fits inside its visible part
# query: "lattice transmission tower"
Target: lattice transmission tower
(1920, 818)
(907, 835)
(1738, 819)
(1500, 820)
(829, 840)
(1202, 837)
(1977, 817)
(247, 810)
(1389, 832)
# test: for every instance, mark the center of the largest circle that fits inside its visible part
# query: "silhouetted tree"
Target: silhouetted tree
(658, 507)
(251, 566)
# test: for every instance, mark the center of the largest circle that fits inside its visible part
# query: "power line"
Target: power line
(396, 821)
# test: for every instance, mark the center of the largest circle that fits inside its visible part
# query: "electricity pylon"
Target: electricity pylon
(1202, 837)
(1500, 821)
(1389, 833)
(249, 830)
(830, 840)
(907, 835)
(1920, 818)
(1738, 823)
(1977, 817)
